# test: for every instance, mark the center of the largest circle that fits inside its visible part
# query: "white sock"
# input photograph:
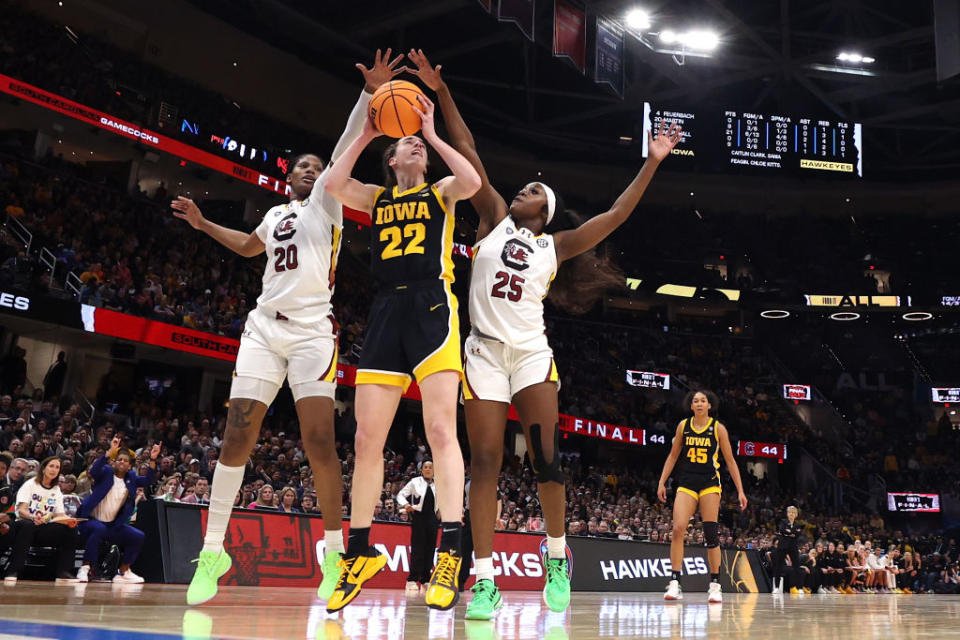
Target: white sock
(223, 491)
(483, 567)
(557, 547)
(333, 540)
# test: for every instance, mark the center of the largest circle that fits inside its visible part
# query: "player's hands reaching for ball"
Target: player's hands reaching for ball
(666, 140)
(662, 493)
(742, 499)
(425, 111)
(427, 73)
(383, 70)
(187, 209)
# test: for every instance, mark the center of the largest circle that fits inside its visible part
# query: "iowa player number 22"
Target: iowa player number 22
(417, 232)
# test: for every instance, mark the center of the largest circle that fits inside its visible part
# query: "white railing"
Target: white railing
(19, 231)
(73, 284)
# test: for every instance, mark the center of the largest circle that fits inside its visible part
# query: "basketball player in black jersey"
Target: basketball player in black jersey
(696, 456)
(412, 332)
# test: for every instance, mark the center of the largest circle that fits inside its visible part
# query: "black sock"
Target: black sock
(450, 538)
(358, 541)
(675, 576)
(715, 577)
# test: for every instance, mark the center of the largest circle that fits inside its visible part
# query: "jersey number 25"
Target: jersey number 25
(515, 283)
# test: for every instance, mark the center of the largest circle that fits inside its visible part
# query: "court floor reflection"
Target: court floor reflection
(242, 613)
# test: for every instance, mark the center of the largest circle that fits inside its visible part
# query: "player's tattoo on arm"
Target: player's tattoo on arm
(239, 415)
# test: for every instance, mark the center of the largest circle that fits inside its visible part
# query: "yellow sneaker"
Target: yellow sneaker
(353, 573)
(443, 590)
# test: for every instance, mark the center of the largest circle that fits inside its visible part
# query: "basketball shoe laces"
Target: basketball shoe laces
(446, 570)
(344, 568)
(556, 569)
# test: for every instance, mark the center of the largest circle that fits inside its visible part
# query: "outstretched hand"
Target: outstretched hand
(666, 140)
(426, 117)
(187, 209)
(383, 70)
(114, 446)
(155, 451)
(427, 73)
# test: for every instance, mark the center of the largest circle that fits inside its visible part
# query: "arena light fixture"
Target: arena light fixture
(855, 58)
(775, 314)
(637, 19)
(917, 316)
(845, 316)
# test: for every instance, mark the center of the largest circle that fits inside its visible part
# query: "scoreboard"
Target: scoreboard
(751, 449)
(946, 394)
(770, 143)
(914, 502)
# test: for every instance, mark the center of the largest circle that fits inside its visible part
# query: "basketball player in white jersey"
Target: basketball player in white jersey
(290, 334)
(507, 356)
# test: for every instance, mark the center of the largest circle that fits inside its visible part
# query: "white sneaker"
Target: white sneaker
(83, 575)
(821, 590)
(674, 592)
(713, 593)
(412, 589)
(128, 577)
(10, 580)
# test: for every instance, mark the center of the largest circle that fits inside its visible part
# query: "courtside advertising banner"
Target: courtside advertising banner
(278, 549)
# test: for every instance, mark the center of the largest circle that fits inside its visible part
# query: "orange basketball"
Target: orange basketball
(391, 108)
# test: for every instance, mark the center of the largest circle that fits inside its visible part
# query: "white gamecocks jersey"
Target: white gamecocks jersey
(512, 272)
(302, 241)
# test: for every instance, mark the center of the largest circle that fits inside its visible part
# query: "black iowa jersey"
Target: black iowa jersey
(411, 236)
(700, 455)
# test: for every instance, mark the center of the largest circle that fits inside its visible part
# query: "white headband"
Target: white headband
(551, 200)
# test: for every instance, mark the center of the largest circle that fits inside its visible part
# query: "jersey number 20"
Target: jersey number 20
(286, 258)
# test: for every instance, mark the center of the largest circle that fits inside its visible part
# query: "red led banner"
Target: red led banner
(168, 336)
(152, 139)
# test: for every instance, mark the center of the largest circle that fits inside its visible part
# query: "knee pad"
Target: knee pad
(313, 389)
(546, 471)
(253, 389)
(711, 534)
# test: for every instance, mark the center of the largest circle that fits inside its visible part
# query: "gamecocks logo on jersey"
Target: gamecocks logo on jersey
(285, 228)
(516, 253)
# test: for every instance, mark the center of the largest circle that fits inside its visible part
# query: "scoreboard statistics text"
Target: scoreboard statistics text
(753, 142)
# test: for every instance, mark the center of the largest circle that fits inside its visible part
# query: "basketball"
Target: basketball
(391, 108)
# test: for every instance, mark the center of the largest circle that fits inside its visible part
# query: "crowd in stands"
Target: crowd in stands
(605, 500)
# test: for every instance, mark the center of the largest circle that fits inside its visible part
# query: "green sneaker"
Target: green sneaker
(556, 593)
(486, 600)
(331, 572)
(210, 567)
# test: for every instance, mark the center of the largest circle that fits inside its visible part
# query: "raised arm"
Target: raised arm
(670, 463)
(592, 232)
(246, 244)
(382, 71)
(490, 205)
(465, 180)
(341, 186)
(731, 464)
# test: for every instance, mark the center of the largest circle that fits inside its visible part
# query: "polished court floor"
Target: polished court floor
(109, 612)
